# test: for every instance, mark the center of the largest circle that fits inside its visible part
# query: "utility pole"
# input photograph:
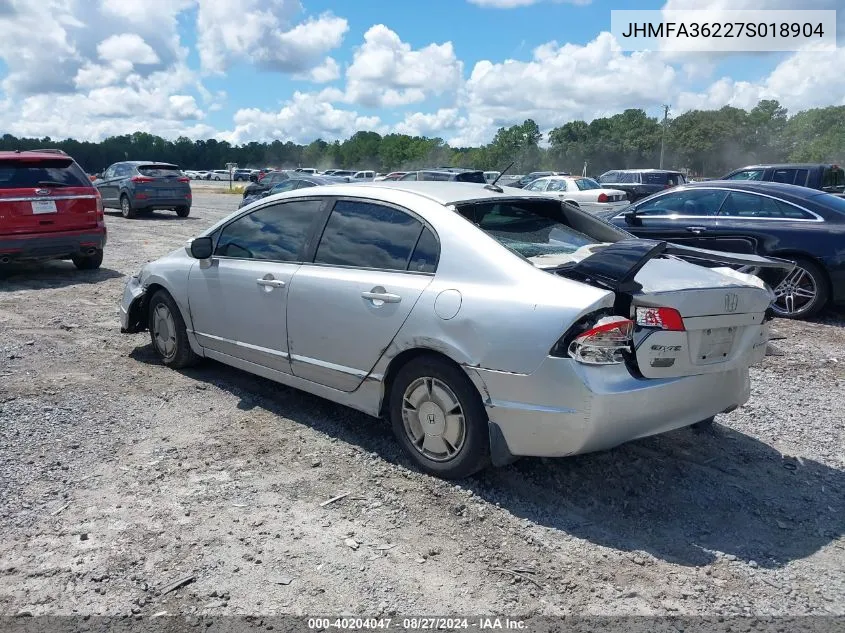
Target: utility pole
(663, 137)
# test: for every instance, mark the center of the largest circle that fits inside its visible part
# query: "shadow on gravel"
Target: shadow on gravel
(150, 215)
(50, 274)
(683, 497)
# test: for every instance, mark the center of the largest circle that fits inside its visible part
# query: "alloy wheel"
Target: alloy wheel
(795, 293)
(433, 419)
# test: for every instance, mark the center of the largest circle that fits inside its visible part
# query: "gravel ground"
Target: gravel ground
(119, 476)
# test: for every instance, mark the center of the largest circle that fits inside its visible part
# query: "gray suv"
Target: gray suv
(140, 185)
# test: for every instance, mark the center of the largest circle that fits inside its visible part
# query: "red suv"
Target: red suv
(49, 210)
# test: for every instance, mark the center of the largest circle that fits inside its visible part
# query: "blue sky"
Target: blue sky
(302, 69)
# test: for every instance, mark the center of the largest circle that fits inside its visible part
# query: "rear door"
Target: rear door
(371, 265)
(40, 195)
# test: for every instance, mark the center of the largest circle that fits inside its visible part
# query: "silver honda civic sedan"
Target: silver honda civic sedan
(485, 325)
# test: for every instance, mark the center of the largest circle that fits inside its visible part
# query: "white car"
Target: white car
(582, 192)
(219, 174)
(364, 175)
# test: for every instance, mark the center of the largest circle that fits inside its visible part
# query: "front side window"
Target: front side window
(693, 202)
(277, 232)
(411, 175)
(608, 177)
(368, 235)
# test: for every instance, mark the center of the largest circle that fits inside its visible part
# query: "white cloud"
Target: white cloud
(386, 72)
(433, 124)
(260, 32)
(328, 71)
(306, 117)
(129, 47)
(513, 4)
(562, 83)
(806, 79)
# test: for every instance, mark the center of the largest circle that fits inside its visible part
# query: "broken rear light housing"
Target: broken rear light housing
(661, 318)
(606, 343)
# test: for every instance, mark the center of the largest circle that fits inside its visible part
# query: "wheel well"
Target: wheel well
(808, 257)
(143, 308)
(398, 362)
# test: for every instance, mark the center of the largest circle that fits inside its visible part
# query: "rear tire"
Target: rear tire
(806, 277)
(126, 209)
(183, 212)
(88, 262)
(438, 418)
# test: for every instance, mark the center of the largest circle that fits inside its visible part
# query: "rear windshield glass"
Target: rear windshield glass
(43, 173)
(531, 228)
(471, 176)
(659, 178)
(159, 171)
(831, 202)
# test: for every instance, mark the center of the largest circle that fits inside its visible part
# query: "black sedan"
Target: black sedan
(296, 182)
(779, 220)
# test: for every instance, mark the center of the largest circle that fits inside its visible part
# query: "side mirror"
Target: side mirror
(201, 247)
(632, 219)
(253, 178)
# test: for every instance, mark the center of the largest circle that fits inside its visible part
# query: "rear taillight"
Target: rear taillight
(661, 318)
(100, 212)
(605, 343)
(141, 179)
(184, 179)
(603, 197)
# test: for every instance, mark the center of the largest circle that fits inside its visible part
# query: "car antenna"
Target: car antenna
(493, 186)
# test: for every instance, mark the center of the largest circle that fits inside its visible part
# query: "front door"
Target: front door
(238, 299)
(370, 267)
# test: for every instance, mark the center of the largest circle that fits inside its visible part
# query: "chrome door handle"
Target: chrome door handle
(696, 229)
(272, 283)
(386, 297)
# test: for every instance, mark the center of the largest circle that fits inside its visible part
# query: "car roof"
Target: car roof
(770, 188)
(644, 171)
(445, 192)
(785, 166)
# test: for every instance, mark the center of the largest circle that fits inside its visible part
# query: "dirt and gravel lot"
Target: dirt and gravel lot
(119, 476)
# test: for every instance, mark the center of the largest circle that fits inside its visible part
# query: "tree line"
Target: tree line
(701, 142)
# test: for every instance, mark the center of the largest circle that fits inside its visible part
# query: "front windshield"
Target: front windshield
(530, 228)
(584, 184)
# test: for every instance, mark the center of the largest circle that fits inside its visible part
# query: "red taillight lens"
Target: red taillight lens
(141, 179)
(662, 318)
(603, 197)
(605, 343)
(184, 179)
(100, 211)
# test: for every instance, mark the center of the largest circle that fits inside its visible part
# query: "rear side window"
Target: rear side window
(747, 174)
(471, 176)
(277, 232)
(749, 205)
(27, 174)
(786, 176)
(426, 254)
(433, 175)
(368, 235)
(409, 176)
(159, 171)
(659, 178)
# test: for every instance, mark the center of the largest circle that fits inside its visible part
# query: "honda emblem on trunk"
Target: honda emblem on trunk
(42, 192)
(731, 302)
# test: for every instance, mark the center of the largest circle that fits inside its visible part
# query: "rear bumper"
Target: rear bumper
(53, 245)
(566, 408)
(161, 203)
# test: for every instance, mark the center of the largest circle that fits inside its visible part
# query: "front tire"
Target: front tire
(88, 262)
(126, 209)
(438, 418)
(168, 332)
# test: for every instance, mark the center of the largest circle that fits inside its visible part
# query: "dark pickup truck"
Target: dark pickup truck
(824, 177)
(639, 183)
